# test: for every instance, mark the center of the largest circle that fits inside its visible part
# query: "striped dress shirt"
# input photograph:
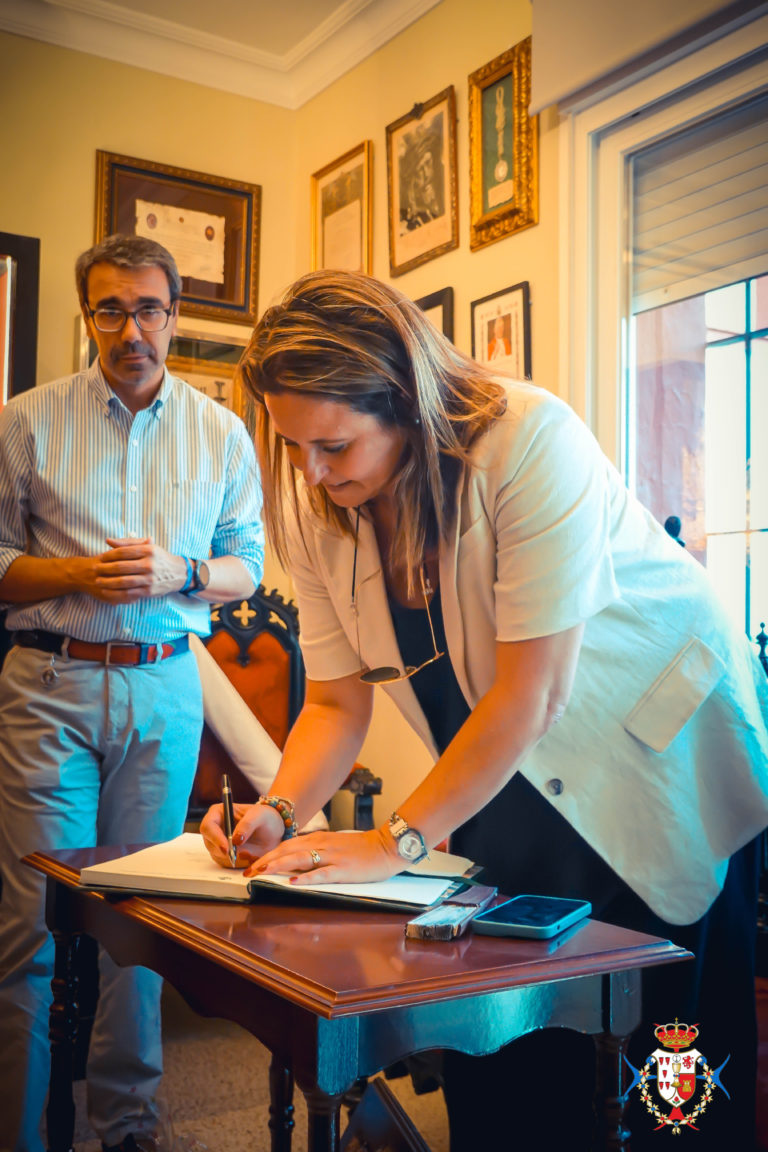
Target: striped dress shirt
(77, 467)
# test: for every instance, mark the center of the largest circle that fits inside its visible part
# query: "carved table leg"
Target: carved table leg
(322, 1121)
(60, 1115)
(612, 1131)
(281, 1122)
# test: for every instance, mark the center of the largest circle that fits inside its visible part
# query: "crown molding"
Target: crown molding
(355, 30)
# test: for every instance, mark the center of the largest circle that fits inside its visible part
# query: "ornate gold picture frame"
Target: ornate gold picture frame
(421, 183)
(210, 224)
(503, 148)
(342, 228)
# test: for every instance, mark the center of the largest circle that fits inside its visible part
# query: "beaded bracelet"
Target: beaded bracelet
(286, 811)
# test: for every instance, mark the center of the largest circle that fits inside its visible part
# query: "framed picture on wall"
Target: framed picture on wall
(341, 212)
(421, 183)
(501, 330)
(19, 290)
(210, 224)
(439, 308)
(503, 148)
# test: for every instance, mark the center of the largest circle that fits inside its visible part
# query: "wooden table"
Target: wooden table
(336, 994)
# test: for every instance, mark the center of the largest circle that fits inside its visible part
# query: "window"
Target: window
(700, 408)
(675, 392)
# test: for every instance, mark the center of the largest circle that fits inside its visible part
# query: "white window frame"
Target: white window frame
(596, 143)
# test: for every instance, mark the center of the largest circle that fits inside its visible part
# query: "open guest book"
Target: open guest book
(182, 867)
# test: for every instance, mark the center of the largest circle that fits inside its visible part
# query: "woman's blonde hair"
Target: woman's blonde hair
(345, 337)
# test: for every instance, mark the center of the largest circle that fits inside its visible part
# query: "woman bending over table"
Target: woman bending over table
(598, 727)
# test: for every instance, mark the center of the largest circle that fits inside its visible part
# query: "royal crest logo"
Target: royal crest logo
(685, 1083)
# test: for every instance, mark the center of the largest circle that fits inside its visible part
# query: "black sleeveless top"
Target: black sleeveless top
(523, 843)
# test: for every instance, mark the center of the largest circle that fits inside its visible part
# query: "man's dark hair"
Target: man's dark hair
(127, 252)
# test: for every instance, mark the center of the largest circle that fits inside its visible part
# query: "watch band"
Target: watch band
(188, 585)
(195, 582)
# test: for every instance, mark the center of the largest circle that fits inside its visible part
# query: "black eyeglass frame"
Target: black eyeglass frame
(389, 675)
(134, 315)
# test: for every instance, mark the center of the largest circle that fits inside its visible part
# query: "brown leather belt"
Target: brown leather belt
(110, 653)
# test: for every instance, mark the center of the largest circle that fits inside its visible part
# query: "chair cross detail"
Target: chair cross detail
(244, 614)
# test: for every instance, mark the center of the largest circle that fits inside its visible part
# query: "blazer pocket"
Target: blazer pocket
(675, 695)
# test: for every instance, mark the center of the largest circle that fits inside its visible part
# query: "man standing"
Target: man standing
(128, 503)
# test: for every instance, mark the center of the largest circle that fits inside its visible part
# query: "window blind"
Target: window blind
(700, 207)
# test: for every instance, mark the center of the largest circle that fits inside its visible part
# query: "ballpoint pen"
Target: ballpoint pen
(229, 817)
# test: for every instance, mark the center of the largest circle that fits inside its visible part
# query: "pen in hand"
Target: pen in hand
(229, 818)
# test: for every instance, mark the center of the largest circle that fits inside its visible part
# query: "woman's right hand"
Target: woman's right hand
(258, 829)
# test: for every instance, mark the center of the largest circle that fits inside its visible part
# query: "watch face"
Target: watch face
(203, 574)
(411, 846)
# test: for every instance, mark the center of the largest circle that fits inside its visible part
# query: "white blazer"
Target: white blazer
(661, 759)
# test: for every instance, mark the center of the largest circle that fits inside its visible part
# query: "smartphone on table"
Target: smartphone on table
(539, 917)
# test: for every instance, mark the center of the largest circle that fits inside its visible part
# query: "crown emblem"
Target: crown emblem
(676, 1035)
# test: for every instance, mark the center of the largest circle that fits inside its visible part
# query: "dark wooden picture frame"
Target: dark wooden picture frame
(421, 183)
(501, 330)
(20, 311)
(439, 307)
(503, 148)
(210, 224)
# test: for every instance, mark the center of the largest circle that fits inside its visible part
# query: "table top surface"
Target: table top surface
(343, 961)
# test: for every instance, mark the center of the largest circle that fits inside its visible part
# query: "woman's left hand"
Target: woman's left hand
(332, 858)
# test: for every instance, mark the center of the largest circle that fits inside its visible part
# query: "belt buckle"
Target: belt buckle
(108, 657)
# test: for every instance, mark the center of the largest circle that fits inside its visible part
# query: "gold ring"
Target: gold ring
(315, 858)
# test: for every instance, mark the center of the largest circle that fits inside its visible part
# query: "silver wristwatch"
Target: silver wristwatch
(410, 843)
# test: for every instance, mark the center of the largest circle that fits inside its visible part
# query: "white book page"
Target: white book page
(419, 890)
(183, 864)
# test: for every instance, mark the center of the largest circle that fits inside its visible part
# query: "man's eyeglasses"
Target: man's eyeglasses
(387, 675)
(148, 318)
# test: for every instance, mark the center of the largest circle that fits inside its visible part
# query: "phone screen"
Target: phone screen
(536, 916)
(537, 911)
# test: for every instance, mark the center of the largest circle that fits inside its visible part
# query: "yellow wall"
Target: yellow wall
(59, 106)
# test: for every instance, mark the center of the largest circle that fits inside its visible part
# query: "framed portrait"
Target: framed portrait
(439, 308)
(200, 352)
(421, 183)
(501, 330)
(503, 148)
(211, 226)
(342, 231)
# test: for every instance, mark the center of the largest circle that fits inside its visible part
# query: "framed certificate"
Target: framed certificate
(209, 224)
(341, 212)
